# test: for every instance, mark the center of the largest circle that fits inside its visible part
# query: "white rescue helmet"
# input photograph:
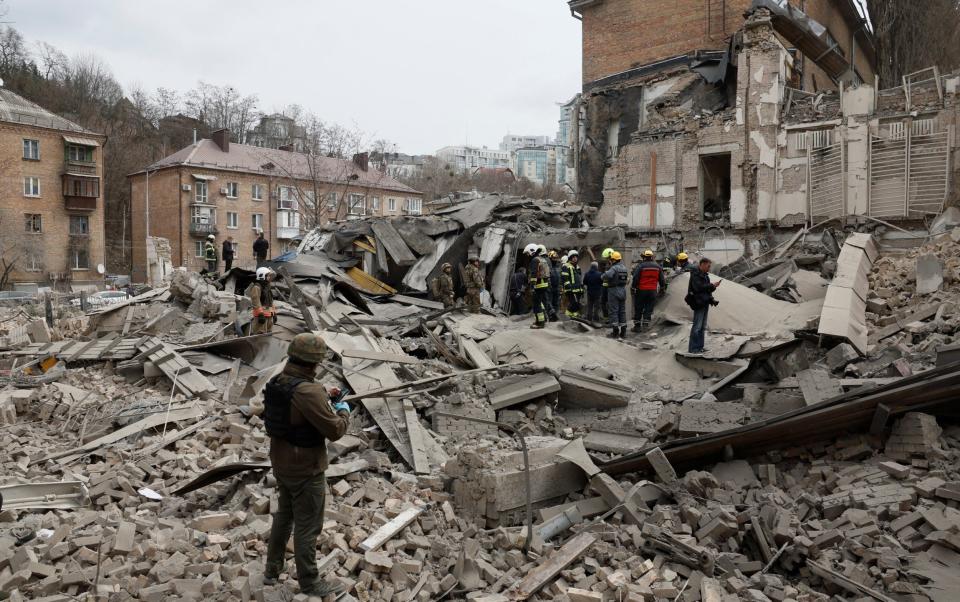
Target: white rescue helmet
(573, 253)
(563, 259)
(530, 249)
(211, 237)
(262, 273)
(542, 249)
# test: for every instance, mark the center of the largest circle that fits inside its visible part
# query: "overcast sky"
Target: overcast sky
(420, 73)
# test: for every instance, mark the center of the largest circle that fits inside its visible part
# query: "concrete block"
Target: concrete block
(929, 274)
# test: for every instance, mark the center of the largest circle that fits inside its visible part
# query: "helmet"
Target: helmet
(530, 249)
(211, 237)
(573, 253)
(262, 273)
(308, 347)
(607, 253)
(648, 253)
(615, 256)
(682, 256)
(445, 266)
(552, 254)
(564, 259)
(543, 249)
(472, 257)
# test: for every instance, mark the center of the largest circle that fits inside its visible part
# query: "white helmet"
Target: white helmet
(542, 249)
(262, 273)
(530, 249)
(211, 237)
(563, 259)
(573, 253)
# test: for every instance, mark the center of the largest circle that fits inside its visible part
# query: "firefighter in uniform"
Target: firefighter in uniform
(616, 280)
(605, 263)
(260, 293)
(648, 279)
(210, 254)
(474, 282)
(540, 283)
(683, 263)
(299, 419)
(573, 284)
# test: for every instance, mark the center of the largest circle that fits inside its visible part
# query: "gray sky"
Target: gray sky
(420, 73)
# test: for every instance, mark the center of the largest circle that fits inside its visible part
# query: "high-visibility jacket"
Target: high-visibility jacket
(572, 278)
(210, 251)
(539, 272)
(648, 276)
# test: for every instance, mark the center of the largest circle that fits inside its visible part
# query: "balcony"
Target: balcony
(287, 233)
(197, 229)
(79, 203)
(83, 168)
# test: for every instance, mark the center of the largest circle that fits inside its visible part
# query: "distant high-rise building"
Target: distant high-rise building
(469, 158)
(512, 142)
(566, 171)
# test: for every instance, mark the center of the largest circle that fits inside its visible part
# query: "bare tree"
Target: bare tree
(53, 63)
(13, 50)
(223, 107)
(914, 35)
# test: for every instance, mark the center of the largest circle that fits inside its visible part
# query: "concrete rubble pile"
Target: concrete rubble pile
(486, 461)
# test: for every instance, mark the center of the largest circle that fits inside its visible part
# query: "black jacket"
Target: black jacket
(518, 284)
(701, 289)
(227, 251)
(260, 247)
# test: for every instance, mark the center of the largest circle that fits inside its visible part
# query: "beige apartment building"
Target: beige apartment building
(237, 190)
(51, 222)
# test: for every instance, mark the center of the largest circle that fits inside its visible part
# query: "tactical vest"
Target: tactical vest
(277, 399)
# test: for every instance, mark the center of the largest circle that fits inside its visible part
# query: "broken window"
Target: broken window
(715, 187)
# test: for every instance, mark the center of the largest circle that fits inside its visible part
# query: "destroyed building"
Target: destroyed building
(726, 133)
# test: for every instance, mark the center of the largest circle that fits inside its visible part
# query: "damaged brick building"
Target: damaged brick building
(722, 123)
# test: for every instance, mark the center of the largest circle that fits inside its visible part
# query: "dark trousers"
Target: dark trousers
(698, 332)
(541, 304)
(605, 303)
(227, 264)
(261, 261)
(211, 266)
(573, 305)
(553, 302)
(643, 305)
(593, 307)
(517, 305)
(300, 511)
(617, 306)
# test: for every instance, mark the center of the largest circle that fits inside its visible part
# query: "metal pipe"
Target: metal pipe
(526, 465)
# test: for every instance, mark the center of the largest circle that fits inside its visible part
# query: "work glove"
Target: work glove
(341, 406)
(334, 392)
(714, 303)
(261, 319)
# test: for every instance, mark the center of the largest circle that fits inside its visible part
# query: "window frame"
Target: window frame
(411, 201)
(36, 146)
(357, 200)
(235, 225)
(375, 204)
(256, 224)
(233, 190)
(391, 204)
(36, 262)
(198, 248)
(86, 151)
(332, 200)
(33, 223)
(197, 186)
(83, 219)
(256, 192)
(32, 180)
(75, 258)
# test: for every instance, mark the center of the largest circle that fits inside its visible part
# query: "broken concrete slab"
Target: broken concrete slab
(711, 416)
(513, 390)
(580, 389)
(929, 274)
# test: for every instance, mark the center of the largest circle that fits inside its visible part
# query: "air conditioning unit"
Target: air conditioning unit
(185, 187)
(224, 190)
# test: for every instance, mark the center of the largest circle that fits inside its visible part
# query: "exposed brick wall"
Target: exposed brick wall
(170, 213)
(53, 243)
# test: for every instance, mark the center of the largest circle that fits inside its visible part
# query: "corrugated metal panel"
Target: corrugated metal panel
(929, 166)
(909, 172)
(826, 172)
(80, 141)
(888, 175)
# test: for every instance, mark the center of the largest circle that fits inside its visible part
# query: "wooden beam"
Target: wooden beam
(380, 356)
(394, 244)
(545, 573)
(414, 383)
(391, 529)
(415, 433)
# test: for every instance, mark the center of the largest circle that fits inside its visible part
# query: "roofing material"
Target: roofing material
(17, 109)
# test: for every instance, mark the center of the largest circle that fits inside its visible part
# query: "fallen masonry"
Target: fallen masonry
(486, 461)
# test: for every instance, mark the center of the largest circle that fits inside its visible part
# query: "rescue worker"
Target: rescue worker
(260, 248)
(593, 281)
(553, 264)
(445, 286)
(210, 254)
(540, 283)
(573, 284)
(604, 297)
(260, 293)
(648, 280)
(683, 263)
(227, 254)
(518, 289)
(474, 282)
(700, 298)
(616, 280)
(300, 418)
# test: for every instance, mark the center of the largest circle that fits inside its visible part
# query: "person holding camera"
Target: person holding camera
(700, 298)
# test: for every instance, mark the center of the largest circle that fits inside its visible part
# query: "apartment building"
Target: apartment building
(469, 158)
(514, 142)
(237, 190)
(51, 223)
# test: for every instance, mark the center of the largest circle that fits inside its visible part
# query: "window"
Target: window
(200, 192)
(31, 186)
(332, 201)
(358, 205)
(233, 220)
(375, 203)
(289, 219)
(414, 206)
(257, 192)
(79, 225)
(31, 149)
(34, 261)
(79, 259)
(233, 190)
(391, 204)
(203, 215)
(79, 153)
(285, 196)
(33, 223)
(82, 187)
(256, 221)
(198, 248)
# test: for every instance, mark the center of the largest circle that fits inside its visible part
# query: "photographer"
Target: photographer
(700, 298)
